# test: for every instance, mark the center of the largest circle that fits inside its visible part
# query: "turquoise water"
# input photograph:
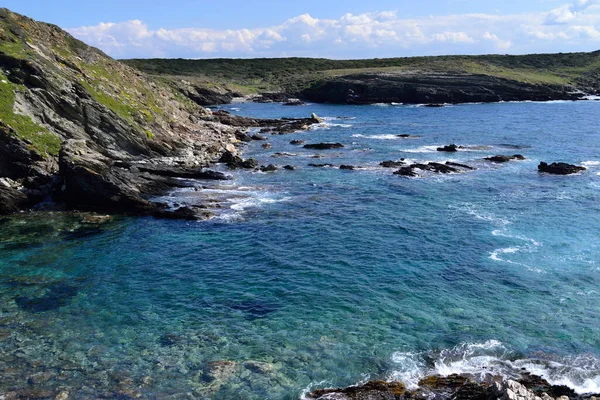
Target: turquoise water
(321, 277)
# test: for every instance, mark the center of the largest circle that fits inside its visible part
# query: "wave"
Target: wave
(493, 358)
(592, 163)
(329, 125)
(379, 137)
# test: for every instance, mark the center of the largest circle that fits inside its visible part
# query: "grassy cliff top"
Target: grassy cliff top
(293, 73)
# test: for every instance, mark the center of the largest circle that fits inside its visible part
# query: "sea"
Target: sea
(321, 277)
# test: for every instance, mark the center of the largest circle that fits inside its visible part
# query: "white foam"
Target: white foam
(422, 149)
(329, 125)
(475, 211)
(491, 358)
(591, 163)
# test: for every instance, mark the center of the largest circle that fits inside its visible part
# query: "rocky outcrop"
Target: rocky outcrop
(11, 200)
(274, 126)
(74, 124)
(371, 390)
(432, 88)
(560, 168)
(204, 95)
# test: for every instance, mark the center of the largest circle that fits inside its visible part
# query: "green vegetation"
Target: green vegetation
(42, 141)
(293, 74)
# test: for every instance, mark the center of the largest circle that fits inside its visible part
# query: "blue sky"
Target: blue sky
(335, 29)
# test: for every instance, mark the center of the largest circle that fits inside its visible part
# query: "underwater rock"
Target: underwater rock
(266, 146)
(254, 309)
(58, 296)
(321, 165)
(560, 168)
(218, 371)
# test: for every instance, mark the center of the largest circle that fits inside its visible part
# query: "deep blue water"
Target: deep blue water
(323, 277)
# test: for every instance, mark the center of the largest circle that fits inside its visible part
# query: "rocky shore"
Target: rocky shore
(456, 387)
(81, 131)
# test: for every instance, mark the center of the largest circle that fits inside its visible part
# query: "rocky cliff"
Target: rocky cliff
(75, 125)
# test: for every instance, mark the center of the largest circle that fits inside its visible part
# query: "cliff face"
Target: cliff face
(67, 108)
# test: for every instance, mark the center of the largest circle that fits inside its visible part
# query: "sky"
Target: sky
(320, 28)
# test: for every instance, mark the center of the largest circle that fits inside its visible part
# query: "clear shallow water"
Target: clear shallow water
(322, 277)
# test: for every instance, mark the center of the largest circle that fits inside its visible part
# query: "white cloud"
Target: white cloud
(570, 27)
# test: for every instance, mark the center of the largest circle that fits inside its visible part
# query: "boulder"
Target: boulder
(289, 167)
(316, 119)
(258, 137)
(266, 146)
(560, 168)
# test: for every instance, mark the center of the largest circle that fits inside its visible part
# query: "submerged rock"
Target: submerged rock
(57, 296)
(266, 146)
(321, 165)
(254, 309)
(324, 146)
(289, 167)
(560, 168)
(297, 142)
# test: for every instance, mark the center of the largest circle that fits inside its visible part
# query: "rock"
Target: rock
(452, 148)
(297, 142)
(12, 200)
(321, 165)
(294, 102)
(512, 390)
(316, 118)
(441, 168)
(269, 168)
(63, 395)
(259, 367)
(372, 390)
(324, 146)
(392, 164)
(453, 164)
(347, 167)
(503, 159)
(94, 219)
(266, 146)
(405, 171)
(284, 154)
(289, 167)
(560, 168)
(243, 137)
(258, 137)
(233, 161)
(434, 105)
(407, 136)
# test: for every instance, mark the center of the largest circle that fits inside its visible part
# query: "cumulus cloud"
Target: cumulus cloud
(570, 27)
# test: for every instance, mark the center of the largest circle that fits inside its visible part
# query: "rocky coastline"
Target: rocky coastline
(457, 387)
